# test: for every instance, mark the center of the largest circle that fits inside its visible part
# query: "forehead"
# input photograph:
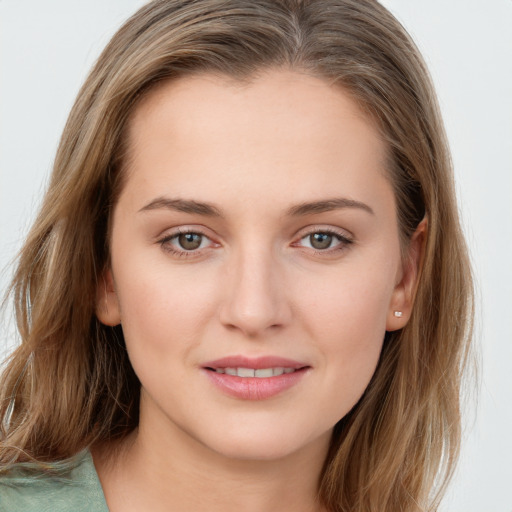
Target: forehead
(279, 127)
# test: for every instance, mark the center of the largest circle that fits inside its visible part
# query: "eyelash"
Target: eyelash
(344, 242)
(167, 246)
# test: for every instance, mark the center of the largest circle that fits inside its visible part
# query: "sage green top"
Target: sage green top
(73, 487)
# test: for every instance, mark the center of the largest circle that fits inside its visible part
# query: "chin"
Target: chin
(265, 444)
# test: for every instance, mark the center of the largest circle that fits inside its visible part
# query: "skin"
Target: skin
(255, 286)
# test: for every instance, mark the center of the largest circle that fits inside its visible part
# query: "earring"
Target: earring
(398, 314)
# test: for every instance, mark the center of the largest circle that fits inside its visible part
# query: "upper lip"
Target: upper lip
(256, 363)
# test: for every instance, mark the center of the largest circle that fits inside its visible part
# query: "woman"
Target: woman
(247, 275)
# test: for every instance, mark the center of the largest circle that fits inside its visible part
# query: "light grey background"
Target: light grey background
(47, 47)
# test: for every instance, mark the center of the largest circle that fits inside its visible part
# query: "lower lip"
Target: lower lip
(255, 388)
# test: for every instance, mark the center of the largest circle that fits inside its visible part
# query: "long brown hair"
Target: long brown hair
(70, 382)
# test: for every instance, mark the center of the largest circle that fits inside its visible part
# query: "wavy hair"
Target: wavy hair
(70, 384)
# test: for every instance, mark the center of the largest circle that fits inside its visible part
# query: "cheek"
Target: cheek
(162, 308)
(351, 303)
(347, 319)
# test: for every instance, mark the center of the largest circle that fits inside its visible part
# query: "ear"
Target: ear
(402, 300)
(107, 304)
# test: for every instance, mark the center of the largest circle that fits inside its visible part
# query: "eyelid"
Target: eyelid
(322, 228)
(183, 229)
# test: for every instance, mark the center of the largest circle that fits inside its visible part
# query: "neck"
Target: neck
(153, 470)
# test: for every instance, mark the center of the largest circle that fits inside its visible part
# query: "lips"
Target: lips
(254, 378)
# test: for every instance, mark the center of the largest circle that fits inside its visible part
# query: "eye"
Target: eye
(324, 241)
(189, 241)
(320, 240)
(185, 243)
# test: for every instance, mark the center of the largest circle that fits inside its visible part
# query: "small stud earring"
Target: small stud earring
(398, 314)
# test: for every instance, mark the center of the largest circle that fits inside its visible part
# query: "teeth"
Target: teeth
(251, 372)
(245, 372)
(265, 372)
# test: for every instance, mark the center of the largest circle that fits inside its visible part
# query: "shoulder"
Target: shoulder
(72, 488)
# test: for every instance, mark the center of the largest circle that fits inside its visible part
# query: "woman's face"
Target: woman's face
(255, 261)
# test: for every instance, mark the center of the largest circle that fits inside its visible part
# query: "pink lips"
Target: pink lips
(254, 388)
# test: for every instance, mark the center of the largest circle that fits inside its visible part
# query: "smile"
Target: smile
(260, 373)
(260, 378)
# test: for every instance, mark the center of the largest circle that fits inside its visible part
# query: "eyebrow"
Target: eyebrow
(182, 205)
(207, 209)
(327, 206)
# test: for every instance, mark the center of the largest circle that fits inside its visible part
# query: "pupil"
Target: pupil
(320, 240)
(190, 241)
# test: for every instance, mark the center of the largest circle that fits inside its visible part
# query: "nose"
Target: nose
(255, 300)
